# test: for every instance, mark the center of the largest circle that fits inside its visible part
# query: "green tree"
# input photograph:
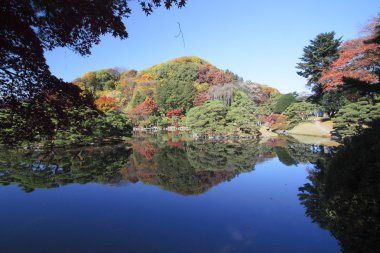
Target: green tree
(352, 118)
(93, 82)
(317, 57)
(241, 115)
(31, 28)
(176, 84)
(299, 112)
(137, 98)
(284, 101)
(332, 101)
(172, 94)
(208, 118)
(113, 124)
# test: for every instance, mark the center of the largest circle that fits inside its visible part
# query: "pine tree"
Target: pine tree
(317, 57)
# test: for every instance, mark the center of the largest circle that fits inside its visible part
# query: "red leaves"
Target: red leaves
(200, 98)
(212, 75)
(144, 148)
(175, 144)
(358, 59)
(143, 110)
(105, 104)
(174, 112)
(275, 119)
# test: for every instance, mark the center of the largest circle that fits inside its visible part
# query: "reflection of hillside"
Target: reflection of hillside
(194, 167)
(170, 161)
(31, 170)
(291, 152)
(171, 170)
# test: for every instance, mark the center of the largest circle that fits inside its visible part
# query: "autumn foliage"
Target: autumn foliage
(275, 119)
(175, 144)
(106, 104)
(175, 112)
(143, 110)
(146, 77)
(144, 148)
(200, 98)
(358, 60)
(212, 75)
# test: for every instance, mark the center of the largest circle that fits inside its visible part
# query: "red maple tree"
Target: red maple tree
(200, 98)
(358, 59)
(174, 112)
(143, 110)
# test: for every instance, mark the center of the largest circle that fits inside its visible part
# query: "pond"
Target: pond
(163, 193)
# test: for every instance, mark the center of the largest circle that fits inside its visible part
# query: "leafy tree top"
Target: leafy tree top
(284, 101)
(359, 59)
(29, 28)
(317, 57)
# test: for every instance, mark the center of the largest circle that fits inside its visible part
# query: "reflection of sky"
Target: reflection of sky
(39, 166)
(255, 212)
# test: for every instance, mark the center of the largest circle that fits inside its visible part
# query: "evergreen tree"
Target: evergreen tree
(316, 58)
(299, 112)
(332, 101)
(353, 118)
(208, 118)
(284, 101)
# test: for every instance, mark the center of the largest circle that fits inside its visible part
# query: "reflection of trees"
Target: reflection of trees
(171, 170)
(195, 167)
(284, 157)
(304, 153)
(291, 152)
(236, 156)
(31, 170)
(167, 160)
(344, 193)
(175, 173)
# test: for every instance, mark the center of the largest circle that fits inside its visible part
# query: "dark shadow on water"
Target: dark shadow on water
(343, 195)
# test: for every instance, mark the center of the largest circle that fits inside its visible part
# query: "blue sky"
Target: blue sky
(259, 40)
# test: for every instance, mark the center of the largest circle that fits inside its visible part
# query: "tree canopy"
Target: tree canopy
(32, 100)
(29, 28)
(316, 58)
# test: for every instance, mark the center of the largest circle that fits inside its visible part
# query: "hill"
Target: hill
(165, 93)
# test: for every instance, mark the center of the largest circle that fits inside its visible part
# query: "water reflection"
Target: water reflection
(53, 168)
(170, 161)
(343, 195)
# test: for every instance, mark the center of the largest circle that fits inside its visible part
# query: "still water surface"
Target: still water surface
(161, 193)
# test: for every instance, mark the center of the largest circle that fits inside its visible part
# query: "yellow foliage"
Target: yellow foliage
(89, 76)
(201, 87)
(192, 59)
(145, 77)
(108, 93)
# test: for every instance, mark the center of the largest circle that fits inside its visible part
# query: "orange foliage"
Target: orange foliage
(143, 148)
(175, 144)
(143, 110)
(174, 112)
(105, 104)
(200, 98)
(210, 74)
(275, 119)
(145, 78)
(358, 59)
